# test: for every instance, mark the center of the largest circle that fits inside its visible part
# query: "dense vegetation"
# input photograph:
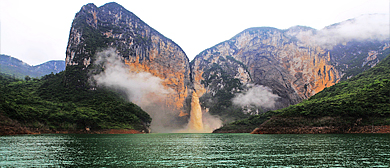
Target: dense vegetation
(47, 103)
(363, 99)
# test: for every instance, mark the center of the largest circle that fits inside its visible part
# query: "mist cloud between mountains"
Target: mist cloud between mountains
(257, 95)
(141, 88)
(364, 27)
(147, 91)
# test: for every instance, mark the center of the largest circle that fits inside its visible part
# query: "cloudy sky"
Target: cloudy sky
(37, 31)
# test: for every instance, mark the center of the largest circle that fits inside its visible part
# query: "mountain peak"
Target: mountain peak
(116, 8)
(260, 29)
(112, 5)
(300, 28)
(89, 6)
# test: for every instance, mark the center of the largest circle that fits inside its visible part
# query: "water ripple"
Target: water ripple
(195, 150)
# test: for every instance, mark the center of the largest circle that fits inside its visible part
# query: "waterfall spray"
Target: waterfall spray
(196, 123)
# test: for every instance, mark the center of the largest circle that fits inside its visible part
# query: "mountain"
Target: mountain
(267, 67)
(360, 104)
(113, 57)
(294, 64)
(19, 69)
(139, 46)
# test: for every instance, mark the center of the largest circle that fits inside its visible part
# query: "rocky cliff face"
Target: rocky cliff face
(290, 62)
(269, 57)
(142, 48)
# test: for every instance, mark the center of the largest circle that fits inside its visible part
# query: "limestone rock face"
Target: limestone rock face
(142, 48)
(286, 61)
(269, 57)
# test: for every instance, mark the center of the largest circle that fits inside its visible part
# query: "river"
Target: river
(195, 150)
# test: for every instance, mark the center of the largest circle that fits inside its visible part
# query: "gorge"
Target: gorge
(289, 65)
(122, 74)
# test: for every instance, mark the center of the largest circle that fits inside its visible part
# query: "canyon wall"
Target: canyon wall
(142, 48)
(269, 57)
(294, 63)
(274, 67)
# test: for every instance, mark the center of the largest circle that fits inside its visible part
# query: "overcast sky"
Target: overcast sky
(37, 31)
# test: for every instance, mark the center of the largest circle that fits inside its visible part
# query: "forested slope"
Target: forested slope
(47, 105)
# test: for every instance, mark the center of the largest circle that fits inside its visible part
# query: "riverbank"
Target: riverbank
(243, 130)
(13, 127)
(321, 130)
(6, 130)
(25, 130)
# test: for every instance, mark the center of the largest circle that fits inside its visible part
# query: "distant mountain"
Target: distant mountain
(15, 67)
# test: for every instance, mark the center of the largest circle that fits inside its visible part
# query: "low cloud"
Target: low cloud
(147, 91)
(141, 88)
(364, 27)
(257, 95)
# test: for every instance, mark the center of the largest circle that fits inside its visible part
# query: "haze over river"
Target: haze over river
(195, 150)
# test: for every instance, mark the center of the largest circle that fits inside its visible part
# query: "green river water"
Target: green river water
(195, 150)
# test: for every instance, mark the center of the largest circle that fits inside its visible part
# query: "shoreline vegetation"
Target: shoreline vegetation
(382, 129)
(11, 127)
(322, 130)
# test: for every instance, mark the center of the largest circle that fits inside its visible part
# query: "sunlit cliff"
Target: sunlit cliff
(143, 49)
(291, 62)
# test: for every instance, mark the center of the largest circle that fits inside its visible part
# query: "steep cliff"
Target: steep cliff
(268, 57)
(292, 63)
(141, 48)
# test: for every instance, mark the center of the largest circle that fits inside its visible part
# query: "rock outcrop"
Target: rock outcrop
(141, 47)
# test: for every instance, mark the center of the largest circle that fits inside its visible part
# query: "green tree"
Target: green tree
(27, 78)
